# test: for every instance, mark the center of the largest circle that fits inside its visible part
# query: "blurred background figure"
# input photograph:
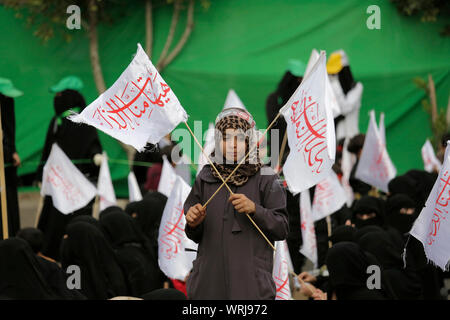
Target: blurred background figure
(11, 158)
(348, 94)
(277, 99)
(78, 141)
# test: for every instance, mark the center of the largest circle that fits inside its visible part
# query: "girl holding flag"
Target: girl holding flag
(234, 261)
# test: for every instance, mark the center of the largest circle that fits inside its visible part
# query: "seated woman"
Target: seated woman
(347, 265)
(136, 259)
(85, 246)
(20, 273)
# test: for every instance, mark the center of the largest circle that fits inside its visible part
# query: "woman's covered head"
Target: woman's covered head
(234, 136)
(68, 99)
(401, 212)
(368, 211)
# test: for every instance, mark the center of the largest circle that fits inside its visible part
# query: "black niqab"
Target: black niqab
(400, 221)
(365, 205)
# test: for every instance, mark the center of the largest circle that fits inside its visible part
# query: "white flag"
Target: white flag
(375, 166)
(138, 108)
(432, 227)
(208, 148)
(104, 185)
(329, 197)
(134, 192)
(173, 258)
(282, 266)
(233, 101)
(309, 246)
(167, 179)
(69, 188)
(310, 131)
(331, 98)
(430, 161)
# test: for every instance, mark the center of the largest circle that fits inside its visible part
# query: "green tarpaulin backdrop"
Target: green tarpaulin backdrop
(244, 45)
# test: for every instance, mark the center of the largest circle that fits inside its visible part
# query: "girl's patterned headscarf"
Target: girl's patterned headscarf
(235, 118)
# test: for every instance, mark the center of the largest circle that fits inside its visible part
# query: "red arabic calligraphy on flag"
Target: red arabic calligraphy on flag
(281, 266)
(173, 233)
(310, 131)
(69, 188)
(329, 197)
(139, 107)
(173, 258)
(55, 176)
(432, 227)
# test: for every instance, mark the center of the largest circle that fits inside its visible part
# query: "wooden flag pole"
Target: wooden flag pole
(224, 183)
(3, 184)
(207, 157)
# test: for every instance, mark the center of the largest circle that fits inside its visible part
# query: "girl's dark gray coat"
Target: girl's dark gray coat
(234, 261)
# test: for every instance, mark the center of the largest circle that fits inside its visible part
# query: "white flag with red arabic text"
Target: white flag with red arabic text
(432, 227)
(310, 131)
(173, 258)
(139, 107)
(69, 188)
(282, 266)
(329, 197)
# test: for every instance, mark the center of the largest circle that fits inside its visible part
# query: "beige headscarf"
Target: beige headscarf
(234, 118)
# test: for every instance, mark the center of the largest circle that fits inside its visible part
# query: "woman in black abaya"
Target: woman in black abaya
(405, 283)
(78, 141)
(50, 270)
(147, 214)
(20, 273)
(347, 265)
(138, 262)
(84, 245)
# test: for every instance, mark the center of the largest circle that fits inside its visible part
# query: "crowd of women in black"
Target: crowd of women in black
(116, 255)
(373, 230)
